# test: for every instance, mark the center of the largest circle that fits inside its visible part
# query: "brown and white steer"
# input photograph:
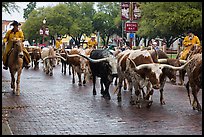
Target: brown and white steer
(194, 73)
(79, 64)
(48, 56)
(138, 67)
(159, 56)
(194, 50)
(35, 54)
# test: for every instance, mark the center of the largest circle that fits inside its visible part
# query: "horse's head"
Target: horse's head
(18, 46)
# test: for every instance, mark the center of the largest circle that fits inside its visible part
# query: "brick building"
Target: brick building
(6, 26)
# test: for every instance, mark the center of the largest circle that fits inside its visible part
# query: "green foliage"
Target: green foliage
(169, 19)
(107, 20)
(30, 7)
(9, 7)
(73, 18)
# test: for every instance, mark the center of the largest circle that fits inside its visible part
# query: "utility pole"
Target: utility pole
(131, 18)
(98, 40)
(122, 30)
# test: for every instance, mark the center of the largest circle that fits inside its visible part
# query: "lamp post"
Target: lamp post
(44, 31)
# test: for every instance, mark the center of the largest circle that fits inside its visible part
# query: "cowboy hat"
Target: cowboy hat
(15, 23)
(189, 31)
(154, 43)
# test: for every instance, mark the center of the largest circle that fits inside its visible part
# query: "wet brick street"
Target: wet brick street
(52, 105)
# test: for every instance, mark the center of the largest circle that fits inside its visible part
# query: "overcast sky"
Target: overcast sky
(18, 16)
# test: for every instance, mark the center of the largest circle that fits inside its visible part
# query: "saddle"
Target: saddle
(9, 53)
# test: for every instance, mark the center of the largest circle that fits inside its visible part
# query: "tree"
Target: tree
(72, 18)
(30, 7)
(169, 20)
(9, 6)
(107, 20)
(81, 14)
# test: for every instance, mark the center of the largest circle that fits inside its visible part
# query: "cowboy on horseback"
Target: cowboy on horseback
(14, 33)
(189, 42)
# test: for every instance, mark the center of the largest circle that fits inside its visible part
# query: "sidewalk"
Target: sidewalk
(5, 126)
(6, 129)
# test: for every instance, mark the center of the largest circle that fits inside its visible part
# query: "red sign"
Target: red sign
(125, 9)
(131, 26)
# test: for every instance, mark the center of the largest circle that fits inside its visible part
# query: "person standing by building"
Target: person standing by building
(92, 43)
(58, 43)
(58, 46)
(155, 45)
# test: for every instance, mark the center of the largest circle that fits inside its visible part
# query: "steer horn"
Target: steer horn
(162, 65)
(162, 60)
(49, 57)
(61, 57)
(177, 68)
(73, 55)
(94, 60)
(182, 61)
(165, 61)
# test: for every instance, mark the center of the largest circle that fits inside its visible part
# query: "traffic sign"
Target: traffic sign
(131, 35)
(131, 26)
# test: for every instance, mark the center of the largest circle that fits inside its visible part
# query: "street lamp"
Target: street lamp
(44, 30)
(44, 21)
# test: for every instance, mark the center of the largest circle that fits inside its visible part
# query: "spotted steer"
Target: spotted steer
(138, 67)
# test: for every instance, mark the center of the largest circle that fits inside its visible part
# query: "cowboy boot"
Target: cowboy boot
(6, 64)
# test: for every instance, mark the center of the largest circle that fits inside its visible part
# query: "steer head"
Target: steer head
(109, 61)
(171, 73)
(153, 71)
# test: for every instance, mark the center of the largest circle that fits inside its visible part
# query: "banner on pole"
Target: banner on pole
(125, 9)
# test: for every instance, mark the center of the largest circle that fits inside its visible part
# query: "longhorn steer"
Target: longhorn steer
(194, 73)
(48, 55)
(103, 64)
(161, 57)
(79, 64)
(35, 54)
(194, 50)
(64, 53)
(139, 69)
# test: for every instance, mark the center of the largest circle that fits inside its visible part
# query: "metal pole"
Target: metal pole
(122, 30)
(98, 39)
(43, 36)
(131, 18)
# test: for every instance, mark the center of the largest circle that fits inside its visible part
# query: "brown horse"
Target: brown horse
(15, 64)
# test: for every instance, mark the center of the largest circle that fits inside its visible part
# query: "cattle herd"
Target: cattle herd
(142, 71)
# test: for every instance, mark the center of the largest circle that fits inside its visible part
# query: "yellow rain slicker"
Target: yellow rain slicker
(188, 44)
(58, 43)
(92, 43)
(8, 38)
